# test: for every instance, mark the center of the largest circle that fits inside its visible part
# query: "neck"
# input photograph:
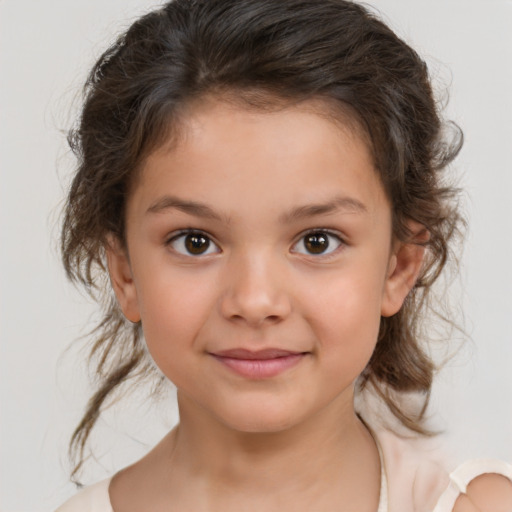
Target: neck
(225, 453)
(333, 453)
(327, 462)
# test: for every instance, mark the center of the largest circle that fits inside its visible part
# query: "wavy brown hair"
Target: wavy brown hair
(261, 53)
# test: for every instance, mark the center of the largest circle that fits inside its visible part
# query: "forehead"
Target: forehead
(285, 155)
(256, 103)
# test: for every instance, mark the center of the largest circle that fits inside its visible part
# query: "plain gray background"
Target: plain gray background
(46, 49)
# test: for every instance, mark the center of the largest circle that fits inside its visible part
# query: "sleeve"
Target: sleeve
(94, 498)
(464, 474)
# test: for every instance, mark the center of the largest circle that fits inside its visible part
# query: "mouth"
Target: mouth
(260, 364)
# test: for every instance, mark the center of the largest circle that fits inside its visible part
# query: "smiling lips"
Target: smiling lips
(261, 364)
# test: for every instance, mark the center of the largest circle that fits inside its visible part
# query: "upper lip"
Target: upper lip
(268, 353)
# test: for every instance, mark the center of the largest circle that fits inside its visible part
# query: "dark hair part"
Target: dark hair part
(260, 52)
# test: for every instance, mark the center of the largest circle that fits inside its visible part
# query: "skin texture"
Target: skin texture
(486, 493)
(264, 182)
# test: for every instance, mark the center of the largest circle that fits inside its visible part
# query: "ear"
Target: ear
(404, 268)
(121, 278)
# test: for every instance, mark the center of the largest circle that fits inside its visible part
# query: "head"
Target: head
(331, 59)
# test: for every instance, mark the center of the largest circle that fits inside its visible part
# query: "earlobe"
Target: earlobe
(404, 267)
(121, 278)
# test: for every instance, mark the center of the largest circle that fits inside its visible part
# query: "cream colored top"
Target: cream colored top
(413, 479)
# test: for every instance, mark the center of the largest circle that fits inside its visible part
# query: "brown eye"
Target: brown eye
(320, 243)
(193, 244)
(196, 244)
(316, 243)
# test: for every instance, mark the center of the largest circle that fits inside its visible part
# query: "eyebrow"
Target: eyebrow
(202, 210)
(337, 204)
(191, 207)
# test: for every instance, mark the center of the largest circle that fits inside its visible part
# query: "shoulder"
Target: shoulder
(420, 466)
(488, 492)
(481, 485)
(94, 498)
(415, 469)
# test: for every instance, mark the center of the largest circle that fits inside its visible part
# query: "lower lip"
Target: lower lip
(261, 368)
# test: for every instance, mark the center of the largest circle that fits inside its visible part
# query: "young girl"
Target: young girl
(263, 184)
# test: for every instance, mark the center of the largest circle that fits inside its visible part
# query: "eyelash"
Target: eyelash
(174, 237)
(182, 234)
(321, 231)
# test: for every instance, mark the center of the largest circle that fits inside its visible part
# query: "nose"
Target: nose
(255, 294)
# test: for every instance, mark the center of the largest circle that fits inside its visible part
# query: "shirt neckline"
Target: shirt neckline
(383, 492)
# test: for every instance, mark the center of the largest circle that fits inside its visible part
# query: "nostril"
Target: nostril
(256, 321)
(254, 299)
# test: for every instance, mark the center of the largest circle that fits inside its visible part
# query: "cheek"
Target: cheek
(173, 309)
(346, 319)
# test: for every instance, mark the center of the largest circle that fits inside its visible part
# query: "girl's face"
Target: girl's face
(260, 260)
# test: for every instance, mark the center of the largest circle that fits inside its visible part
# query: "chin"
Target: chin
(252, 419)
